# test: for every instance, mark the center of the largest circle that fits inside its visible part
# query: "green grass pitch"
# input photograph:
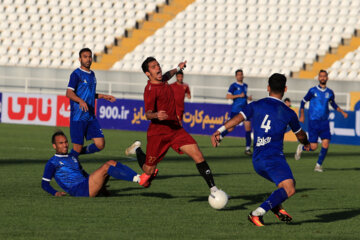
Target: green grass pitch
(326, 205)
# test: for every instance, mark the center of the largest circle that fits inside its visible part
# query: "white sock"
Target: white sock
(136, 178)
(258, 212)
(318, 165)
(247, 148)
(213, 189)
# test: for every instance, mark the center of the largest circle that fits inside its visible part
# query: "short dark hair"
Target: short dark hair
(287, 100)
(324, 71)
(145, 64)
(277, 83)
(84, 50)
(180, 72)
(239, 70)
(57, 133)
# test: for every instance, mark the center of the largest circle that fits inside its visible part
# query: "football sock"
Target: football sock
(276, 198)
(141, 157)
(258, 212)
(224, 133)
(322, 155)
(122, 172)
(205, 172)
(248, 139)
(92, 148)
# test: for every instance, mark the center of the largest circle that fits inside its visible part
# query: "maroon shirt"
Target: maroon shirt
(160, 97)
(179, 93)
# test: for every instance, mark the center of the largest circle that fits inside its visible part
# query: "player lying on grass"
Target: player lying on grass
(165, 128)
(70, 176)
(270, 117)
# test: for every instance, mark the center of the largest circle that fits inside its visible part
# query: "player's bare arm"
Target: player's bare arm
(169, 74)
(215, 138)
(302, 138)
(161, 115)
(301, 115)
(345, 115)
(109, 98)
(72, 96)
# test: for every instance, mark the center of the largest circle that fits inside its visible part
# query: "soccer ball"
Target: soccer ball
(218, 199)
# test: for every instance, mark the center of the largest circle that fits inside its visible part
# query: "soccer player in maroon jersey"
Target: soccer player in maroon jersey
(165, 129)
(181, 90)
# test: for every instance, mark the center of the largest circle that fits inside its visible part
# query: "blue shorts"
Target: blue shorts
(319, 128)
(273, 168)
(80, 189)
(233, 114)
(88, 129)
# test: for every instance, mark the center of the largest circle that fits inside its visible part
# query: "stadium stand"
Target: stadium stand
(264, 36)
(49, 33)
(215, 36)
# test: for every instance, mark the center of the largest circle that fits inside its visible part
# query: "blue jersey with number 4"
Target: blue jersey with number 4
(237, 89)
(83, 83)
(269, 118)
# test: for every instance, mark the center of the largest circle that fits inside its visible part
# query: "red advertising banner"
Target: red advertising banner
(63, 111)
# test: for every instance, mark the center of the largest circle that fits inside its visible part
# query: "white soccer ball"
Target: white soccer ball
(218, 199)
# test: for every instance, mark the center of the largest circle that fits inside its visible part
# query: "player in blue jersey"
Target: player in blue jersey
(81, 91)
(238, 93)
(70, 176)
(270, 117)
(319, 96)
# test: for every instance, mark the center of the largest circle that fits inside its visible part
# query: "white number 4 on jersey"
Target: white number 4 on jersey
(266, 123)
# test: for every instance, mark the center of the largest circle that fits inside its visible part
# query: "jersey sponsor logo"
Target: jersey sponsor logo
(63, 111)
(327, 95)
(262, 141)
(61, 163)
(85, 81)
(29, 109)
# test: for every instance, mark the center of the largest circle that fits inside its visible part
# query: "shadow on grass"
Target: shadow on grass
(251, 199)
(332, 217)
(122, 193)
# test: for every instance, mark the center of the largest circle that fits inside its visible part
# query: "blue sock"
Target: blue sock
(122, 172)
(322, 155)
(248, 138)
(92, 148)
(276, 198)
(224, 133)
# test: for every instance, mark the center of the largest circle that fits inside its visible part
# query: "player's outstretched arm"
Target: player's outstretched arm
(72, 96)
(215, 138)
(345, 115)
(169, 74)
(109, 98)
(302, 138)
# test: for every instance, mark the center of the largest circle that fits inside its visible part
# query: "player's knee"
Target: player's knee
(100, 145)
(111, 163)
(291, 192)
